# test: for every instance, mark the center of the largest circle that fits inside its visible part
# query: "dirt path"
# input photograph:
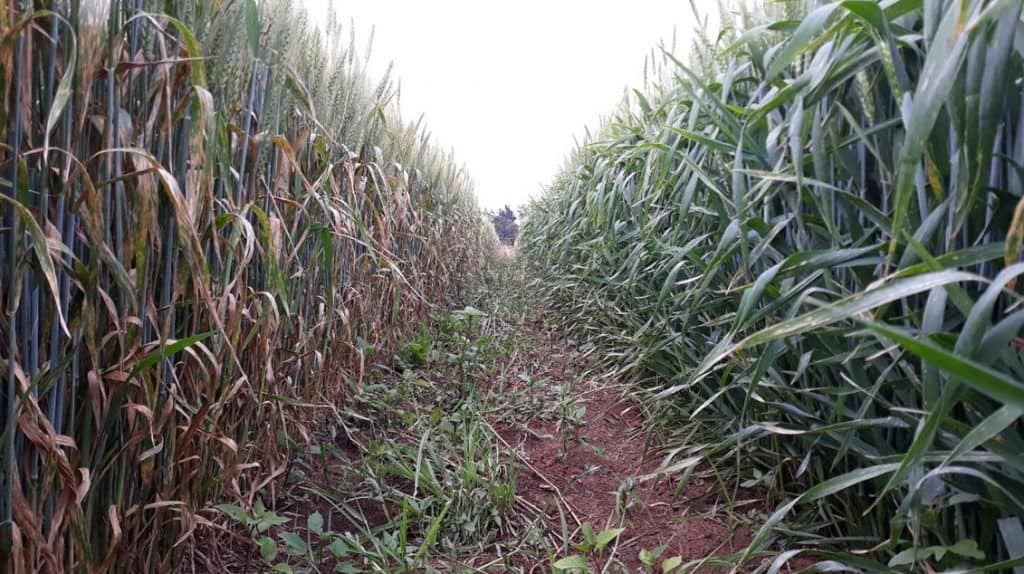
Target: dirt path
(484, 445)
(600, 469)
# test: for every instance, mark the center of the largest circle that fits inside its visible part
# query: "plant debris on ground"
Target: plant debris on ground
(488, 443)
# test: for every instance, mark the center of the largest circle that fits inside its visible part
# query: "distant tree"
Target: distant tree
(505, 225)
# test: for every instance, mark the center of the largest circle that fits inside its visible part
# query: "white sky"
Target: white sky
(509, 85)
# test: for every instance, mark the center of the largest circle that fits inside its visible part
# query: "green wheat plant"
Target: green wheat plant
(209, 215)
(804, 245)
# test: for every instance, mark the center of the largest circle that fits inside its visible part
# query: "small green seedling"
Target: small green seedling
(259, 521)
(574, 564)
(593, 543)
(650, 557)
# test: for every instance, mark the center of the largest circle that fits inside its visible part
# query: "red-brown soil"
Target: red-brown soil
(599, 474)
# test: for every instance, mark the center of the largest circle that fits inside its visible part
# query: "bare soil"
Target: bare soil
(596, 473)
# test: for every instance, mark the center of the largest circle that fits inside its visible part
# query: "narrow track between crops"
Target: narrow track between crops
(490, 442)
(601, 473)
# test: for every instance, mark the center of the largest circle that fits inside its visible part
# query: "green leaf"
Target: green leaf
(315, 522)
(985, 431)
(576, 562)
(236, 512)
(299, 91)
(826, 314)
(945, 56)
(296, 545)
(338, 548)
(648, 557)
(910, 556)
(266, 520)
(197, 66)
(812, 25)
(169, 350)
(980, 377)
(41, 248)
(588, 532)
(967, 548)
(268, 548)
(64, 90)
(273, 269)
(671, 564)
(606, 536)
(433, 530)
(1012, 531)
(252, 26)
(818, 491)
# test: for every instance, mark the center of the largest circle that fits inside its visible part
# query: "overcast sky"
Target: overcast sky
(508, 85)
